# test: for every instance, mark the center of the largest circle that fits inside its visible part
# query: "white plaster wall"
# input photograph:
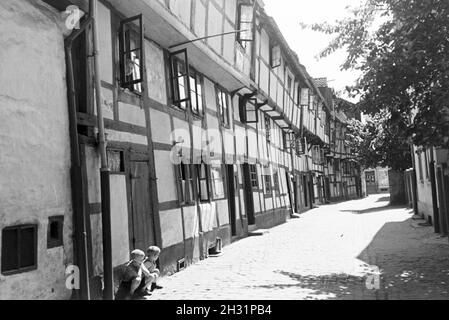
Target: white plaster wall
(160, 126)
(191, 222)
(171, 226)
(181, 9)
(154, 58)
(165, 176)
(119, 220)
(223, 212)
(215, 27)
(34, 142)
(200, 19)
(208, 216)
(105, 42)
(131, 114)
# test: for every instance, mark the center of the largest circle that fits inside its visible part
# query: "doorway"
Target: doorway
(232, 187)
(248, 191)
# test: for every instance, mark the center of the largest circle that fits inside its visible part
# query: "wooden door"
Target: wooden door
(231, 199)
(142, 229)
(249, 197)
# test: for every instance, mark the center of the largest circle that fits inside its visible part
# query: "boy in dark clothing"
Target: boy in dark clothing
(133, 278)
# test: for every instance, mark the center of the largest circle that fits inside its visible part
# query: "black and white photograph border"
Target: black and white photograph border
(244, 151)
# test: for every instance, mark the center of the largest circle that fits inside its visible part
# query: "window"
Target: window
(268, 128)
(223, 106)
(276, 182)
(268, 189)
(203, 182)
(116, 161)
(131, 53)
(337, 165)
(316, 155)
(217, 182)
(284, 141)
(196, 93)
(185, 176)
(253, 176)
(304, 97)
(249, 110)
(19, 249)
(289, 85)
(245, 22)
(275, 56)
(300, 146)
(180, 79)
(55, 232)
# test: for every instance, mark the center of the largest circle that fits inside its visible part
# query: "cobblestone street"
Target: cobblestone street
(331, 252)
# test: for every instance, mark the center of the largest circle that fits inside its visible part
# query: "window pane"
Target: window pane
(27, 247)
(217, 182)
(204, 195)
(246, 22)
(10, 250)
(199, 91)
(193, 95)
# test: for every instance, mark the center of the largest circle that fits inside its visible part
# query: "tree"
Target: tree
(377, 143)
(401, 48)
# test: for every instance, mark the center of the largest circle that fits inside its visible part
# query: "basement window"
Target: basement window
(55, 232)
(19, 249)
(131, 53)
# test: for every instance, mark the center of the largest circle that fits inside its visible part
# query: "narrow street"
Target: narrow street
(329, 253)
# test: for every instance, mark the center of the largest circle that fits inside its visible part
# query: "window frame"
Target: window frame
(213, 181)
(268, 184)
(253, 177)
(199, 83)
(185, 196)
(275, 63)
(20, 269)
(199, 179)
(244, 110)
(125, 49)
(223, 113)
(267, 124)
(240, 22)
(174, 65)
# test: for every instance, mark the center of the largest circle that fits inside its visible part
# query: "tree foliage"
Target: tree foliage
(401, 48)
(377, 143)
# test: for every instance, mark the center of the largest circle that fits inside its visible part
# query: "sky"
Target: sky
(308, 44)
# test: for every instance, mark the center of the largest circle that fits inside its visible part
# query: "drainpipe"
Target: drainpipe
(108, 293)
(79, 209)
